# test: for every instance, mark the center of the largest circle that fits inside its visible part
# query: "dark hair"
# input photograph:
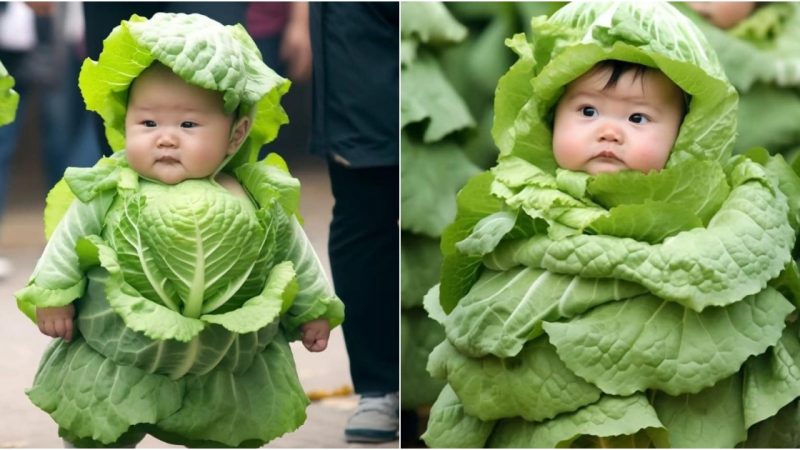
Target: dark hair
(620, 68)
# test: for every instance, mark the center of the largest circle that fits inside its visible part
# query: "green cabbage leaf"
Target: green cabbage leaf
(9, 99)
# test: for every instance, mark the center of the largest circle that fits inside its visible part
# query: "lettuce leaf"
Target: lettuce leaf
(9, 99)
(616, 418)
(450, 427)
(427, 196)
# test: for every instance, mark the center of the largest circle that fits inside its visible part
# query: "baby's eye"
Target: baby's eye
(588, 111)
(188, 124)
(149, 123)
(638, 118)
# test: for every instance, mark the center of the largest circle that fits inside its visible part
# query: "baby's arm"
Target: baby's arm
(58, 278)
(316, 334)
(56, 321)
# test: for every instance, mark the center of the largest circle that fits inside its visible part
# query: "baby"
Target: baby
(181, 259)
(596, 281)
(175, 131)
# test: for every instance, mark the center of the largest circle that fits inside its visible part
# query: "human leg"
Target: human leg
(364, 255)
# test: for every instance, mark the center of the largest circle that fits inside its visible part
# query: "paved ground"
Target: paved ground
(21, 240)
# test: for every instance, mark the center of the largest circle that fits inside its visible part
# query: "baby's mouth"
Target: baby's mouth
(606, 155)
(167, 159)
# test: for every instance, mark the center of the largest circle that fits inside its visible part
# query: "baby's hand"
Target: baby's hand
(315, 334)
(56, 321)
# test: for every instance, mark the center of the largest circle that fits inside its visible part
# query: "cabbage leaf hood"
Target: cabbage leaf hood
(204, 53)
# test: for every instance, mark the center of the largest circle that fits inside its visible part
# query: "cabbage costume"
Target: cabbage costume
(186, 295)
(622, 309)
(8, 98)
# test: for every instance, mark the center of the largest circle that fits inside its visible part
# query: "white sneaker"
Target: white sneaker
(376, 419)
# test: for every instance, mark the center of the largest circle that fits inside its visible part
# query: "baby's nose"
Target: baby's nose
(166, 140)
(610, 132)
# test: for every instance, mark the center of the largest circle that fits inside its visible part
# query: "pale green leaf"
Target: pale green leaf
(122, 396)
(611, 416)
(430, 23)
(746, 243)
(712, 418)
(535, 384)
(426, 95)
(105, 331)
(428, 197)
(773, 378)
(487, 233)
(450, 427)
(269, 402)
(649, 343)
(504, 310)
(459, 272)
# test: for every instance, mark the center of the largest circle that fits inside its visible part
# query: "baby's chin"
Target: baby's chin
(604, 165)
(169, 175)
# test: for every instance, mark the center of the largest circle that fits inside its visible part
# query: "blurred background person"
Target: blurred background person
(355, 112)
(280, 30)
(41, 46)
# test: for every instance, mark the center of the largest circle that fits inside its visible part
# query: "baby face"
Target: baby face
(173, 130)
(630, 125)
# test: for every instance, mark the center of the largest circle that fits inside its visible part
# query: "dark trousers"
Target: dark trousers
(363, 247)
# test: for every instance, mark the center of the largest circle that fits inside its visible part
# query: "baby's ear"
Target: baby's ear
(240, 131)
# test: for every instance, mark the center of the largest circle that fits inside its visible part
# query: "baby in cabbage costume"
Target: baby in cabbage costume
(618, 278)
(181, 257)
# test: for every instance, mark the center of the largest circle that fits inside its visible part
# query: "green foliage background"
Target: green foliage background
(452, 57)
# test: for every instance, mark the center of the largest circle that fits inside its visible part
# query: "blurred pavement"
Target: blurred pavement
(23, 425)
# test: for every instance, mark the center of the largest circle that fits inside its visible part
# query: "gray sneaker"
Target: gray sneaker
(375, 419)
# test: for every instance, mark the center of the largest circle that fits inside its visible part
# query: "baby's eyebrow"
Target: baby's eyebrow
(637, 100)
(142, 108)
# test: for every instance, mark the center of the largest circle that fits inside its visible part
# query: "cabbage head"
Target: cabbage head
(623, 309)
(186, 295)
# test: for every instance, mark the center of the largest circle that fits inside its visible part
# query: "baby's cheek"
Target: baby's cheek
(569, 151)
(651, 154)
